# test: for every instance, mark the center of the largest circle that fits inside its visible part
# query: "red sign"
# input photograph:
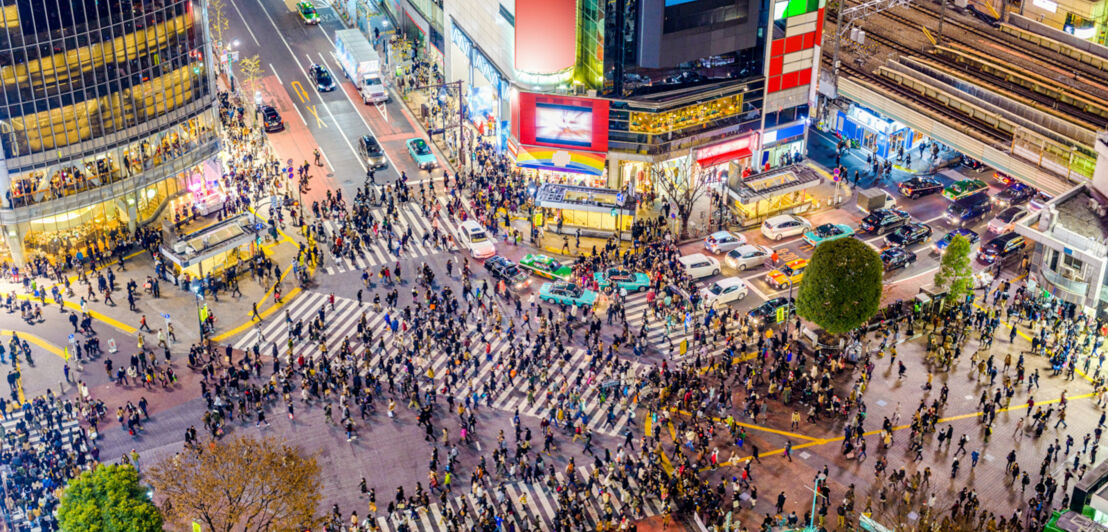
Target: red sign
(740, 148)
(546, 35)
(560, 121)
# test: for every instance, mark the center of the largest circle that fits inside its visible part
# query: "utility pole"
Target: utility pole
(457, 85)
(838, 44)
(942, 17)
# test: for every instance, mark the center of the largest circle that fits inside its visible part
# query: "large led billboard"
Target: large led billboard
(546, 35)
(560, 121)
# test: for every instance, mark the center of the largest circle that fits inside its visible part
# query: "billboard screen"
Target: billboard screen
(560, 121)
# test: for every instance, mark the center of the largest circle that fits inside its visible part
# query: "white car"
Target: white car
(476, 240)
(1006, 220)
(748, 256)
(724, 291)
(699, 265)
(785, 225)
(723, 241)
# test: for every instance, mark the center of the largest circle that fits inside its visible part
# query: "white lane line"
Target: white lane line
(246, 25)
(274, 70)
(326, 159)
(358, 112)
(314, 88)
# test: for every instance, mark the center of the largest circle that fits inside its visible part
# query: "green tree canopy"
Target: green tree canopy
(955, 273)
(842, 285)
(108, 499)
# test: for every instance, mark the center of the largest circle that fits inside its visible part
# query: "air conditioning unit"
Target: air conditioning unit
(179, 247)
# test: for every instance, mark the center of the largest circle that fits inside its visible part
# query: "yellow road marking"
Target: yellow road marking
(38, 341)
(300, 92)
(318, 121)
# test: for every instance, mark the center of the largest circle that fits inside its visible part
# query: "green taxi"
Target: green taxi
(545, 266)
(966, 187)
(307, 12)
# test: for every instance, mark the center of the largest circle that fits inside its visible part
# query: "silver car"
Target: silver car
(748, 256)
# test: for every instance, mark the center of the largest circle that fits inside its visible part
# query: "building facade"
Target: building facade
(108, 113)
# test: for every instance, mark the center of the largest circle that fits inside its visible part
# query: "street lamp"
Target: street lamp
(792, 309)
(231, 62)
(812, 517)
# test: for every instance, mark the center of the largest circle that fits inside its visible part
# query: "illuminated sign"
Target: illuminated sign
(563, 124)
(560, 121)
(791, 8)
(739, 148)
(1047, 5)
(545, 36)
(475, 57)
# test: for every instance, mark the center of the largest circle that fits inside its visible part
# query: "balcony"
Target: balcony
(1066, 282)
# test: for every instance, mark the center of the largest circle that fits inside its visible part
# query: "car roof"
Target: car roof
(695, 257)
(721, 233)
(1011, 235)
(730, 281)
(745, 247)
(782, 218)
(470, 225)
(797, 263)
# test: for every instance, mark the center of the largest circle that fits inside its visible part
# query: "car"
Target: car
(1038, 202)
(566, 293)
(1014, 194)
(882, 221)
(1001, 248)
(699, 265)
(896, 258)
(625, 279)
(971, 163)
(918, 187)
(323, 79)
(784, 225)
(964, 188)
(748, 256)
(545, 266)
(723, 241)
(1003, 177)
(768, 311)
(421, 154)
(371, 152)
(940, 245)
(271, 120)
(908, 235)
(474, 238)
(503, 269)
(1006, 220)
(307, 12)
(792, 272)
(724, 291)
(968, 210)
(827, 233)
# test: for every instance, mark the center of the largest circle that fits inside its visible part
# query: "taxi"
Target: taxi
(790, 272)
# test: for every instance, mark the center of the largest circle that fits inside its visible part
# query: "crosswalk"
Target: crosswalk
(637, 305)
(341, 323)
(421, 244)
(535, 506)
(64, 436)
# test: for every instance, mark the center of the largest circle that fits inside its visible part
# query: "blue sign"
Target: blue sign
(619, 198)
(259, 226)
(165, 315)
(71, 338)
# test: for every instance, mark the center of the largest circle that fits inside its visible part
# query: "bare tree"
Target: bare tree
(683, 186)
(217, 20)
(252, 68)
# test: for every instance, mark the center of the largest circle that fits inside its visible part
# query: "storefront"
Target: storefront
(783, 145)
(428, 42)
(487, 87)
(214, 248)
(560, 166)
(564, 138)
(597, 212)
(775, 192)
(883, 137)
(727, 158)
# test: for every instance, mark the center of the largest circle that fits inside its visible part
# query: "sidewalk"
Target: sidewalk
(821, 149)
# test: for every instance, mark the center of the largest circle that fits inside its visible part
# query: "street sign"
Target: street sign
(273, 203)
(259, 226)
(72, 339)
(290, 161)
(111, 346)
(780, 314)
(619, 198)
(165, 315)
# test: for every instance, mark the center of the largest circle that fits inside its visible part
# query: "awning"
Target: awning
(734, 149)
(559, 159)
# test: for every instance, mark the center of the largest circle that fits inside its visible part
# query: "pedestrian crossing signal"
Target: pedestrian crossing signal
(780, 314)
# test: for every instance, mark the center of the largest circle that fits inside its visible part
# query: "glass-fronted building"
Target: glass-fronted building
(107, 113)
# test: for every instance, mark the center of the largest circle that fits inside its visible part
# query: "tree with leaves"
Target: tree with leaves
(955, 273)
(240, 483)
(842, 285)
(105, 499)
(683, 186)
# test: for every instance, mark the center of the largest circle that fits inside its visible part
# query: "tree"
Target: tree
(217, 20)
(955, 274)
(238, 484)
(683, 186)
(251, 67)
(842, 285)
(108, 498)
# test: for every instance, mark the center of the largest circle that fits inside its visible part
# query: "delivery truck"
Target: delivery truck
(361, 64)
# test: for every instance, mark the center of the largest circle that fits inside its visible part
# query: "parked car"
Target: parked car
(421, 153)
(964, 188)
(566, 293)
(724, 291)
(271, 120)
(1006, 220)
(625, 279)
(882, 221)
(307, 12)
(545, 266)
(792, 272)
(768, 311)
(748, 256)
(918, 187)
(1014, 194)
(896, 258)
(322, 77)
(1001, 248)
(476, 240)
(784, 225)
(968, 210)
(940, 245)
(909, 235)
(827, 233)
(699, 265)
(503, 269)
(723, 241)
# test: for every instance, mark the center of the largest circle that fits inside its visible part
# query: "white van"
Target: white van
(476, 240)
(699, 265)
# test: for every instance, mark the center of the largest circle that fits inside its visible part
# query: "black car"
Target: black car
(896, 258)
(908, 235)
(1002, 248)
(918, 187)
(971, 163)
(1015, 194)
(272, 120)
(767, 312)
(882, 221)
(505, 270)
(968, 210)
(323, 80)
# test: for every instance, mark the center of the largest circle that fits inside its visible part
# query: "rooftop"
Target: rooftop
(1078, 213)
